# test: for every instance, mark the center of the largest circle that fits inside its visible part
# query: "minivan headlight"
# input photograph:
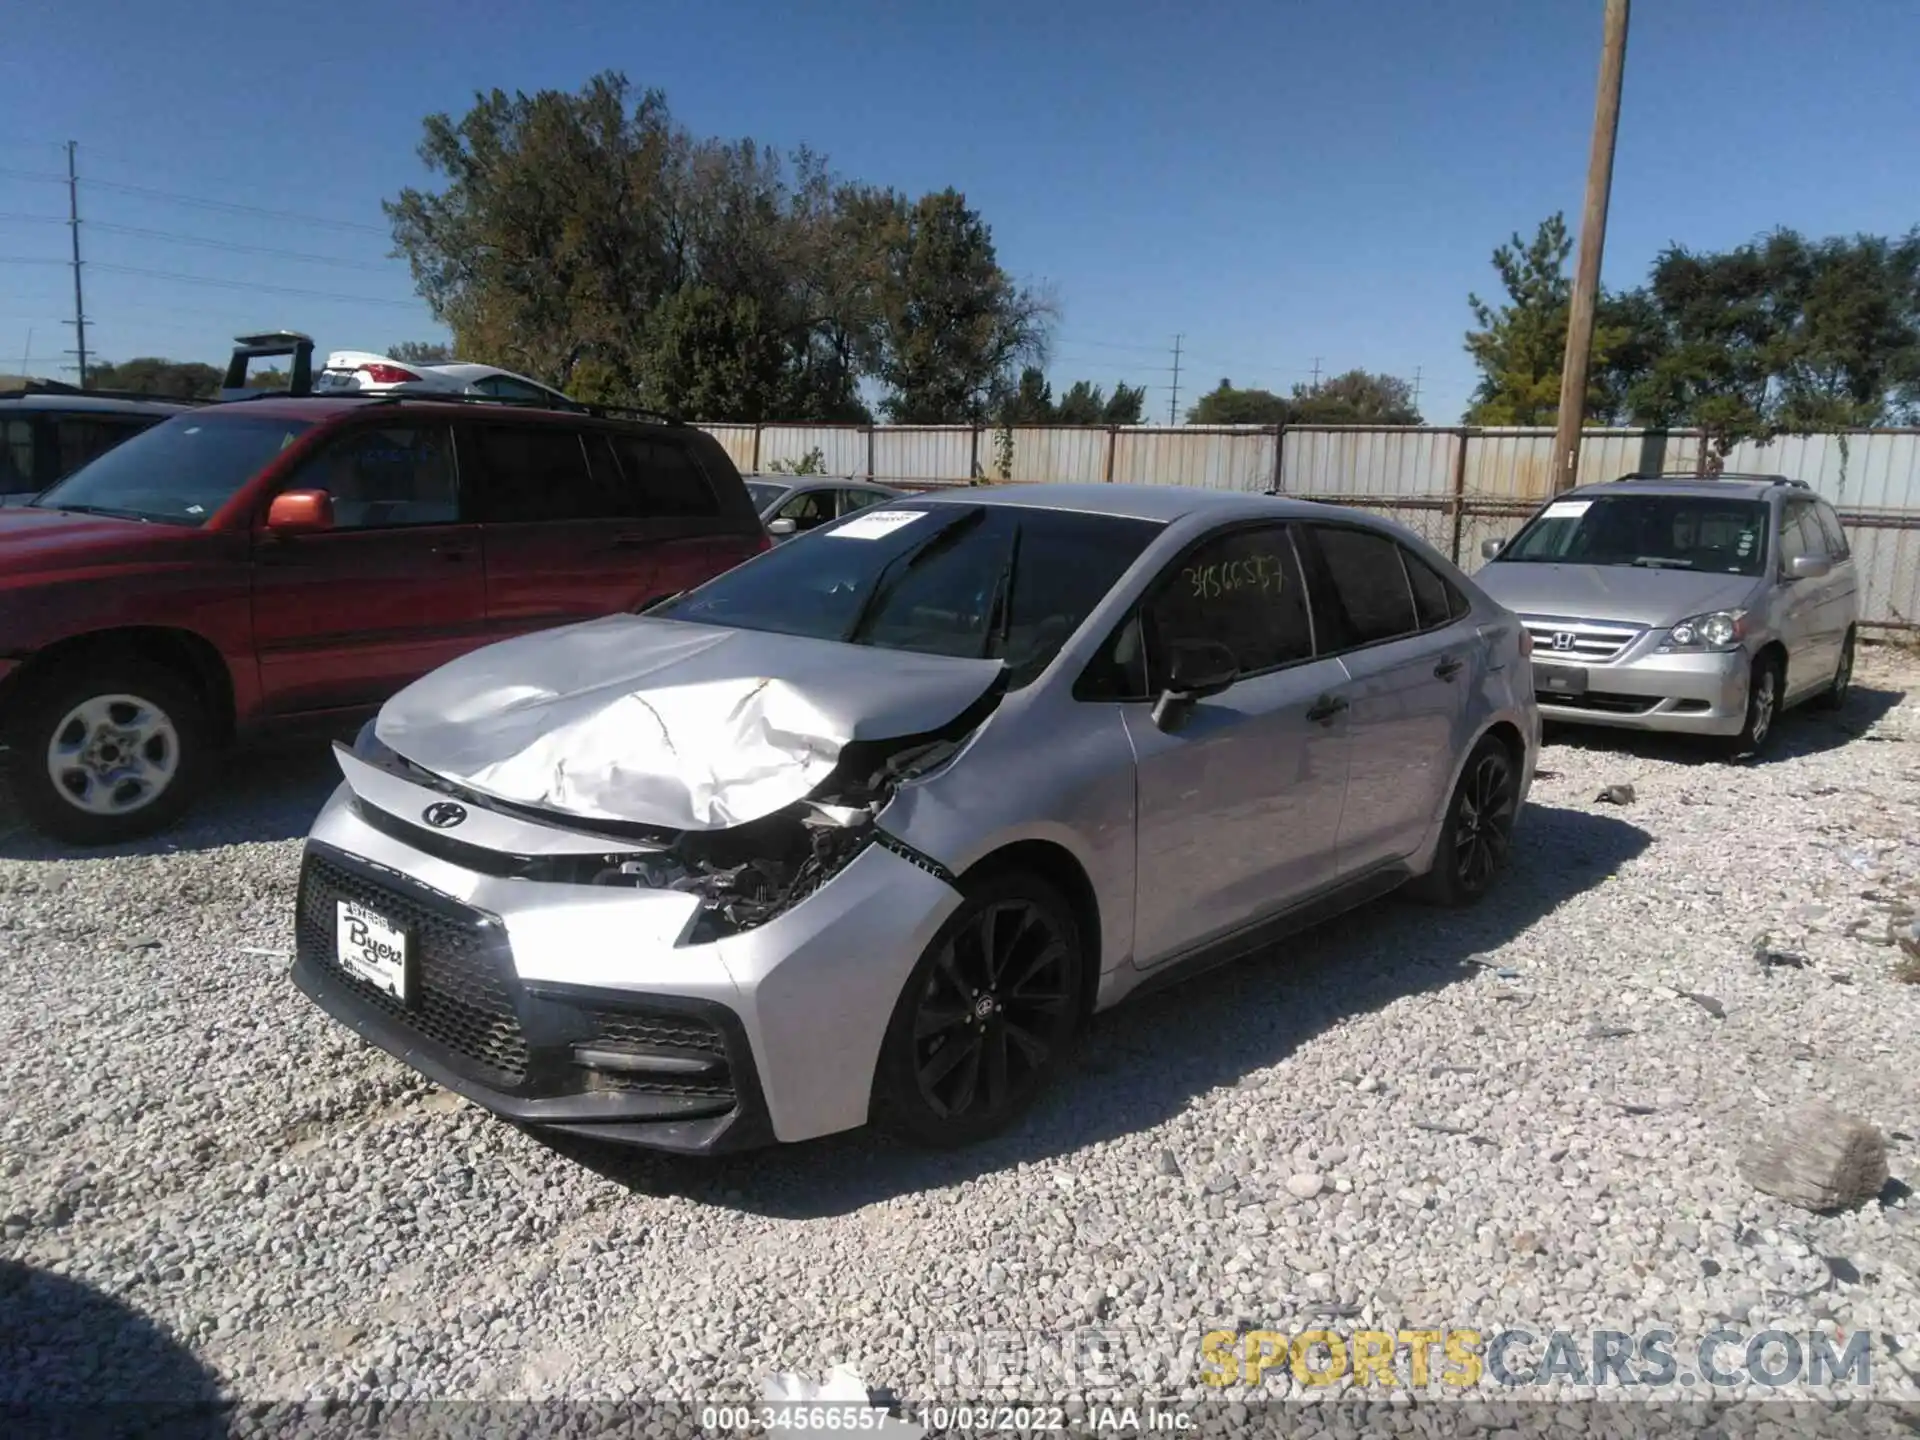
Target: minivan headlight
(1718, 630)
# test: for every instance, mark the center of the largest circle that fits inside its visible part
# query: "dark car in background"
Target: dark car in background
(49, 430)
(281, 563)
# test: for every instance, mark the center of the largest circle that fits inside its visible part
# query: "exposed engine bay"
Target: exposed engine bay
(748, 874)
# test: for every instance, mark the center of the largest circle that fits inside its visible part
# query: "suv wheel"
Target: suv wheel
(1835, 695)
(985, 1016)
(1477, 835)
(1764, 690)
(108, 752)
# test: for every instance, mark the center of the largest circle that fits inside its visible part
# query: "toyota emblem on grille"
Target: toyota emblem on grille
(1563, 639)
(444, 814)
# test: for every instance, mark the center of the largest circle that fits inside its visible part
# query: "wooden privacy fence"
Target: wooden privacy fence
(1456, 486)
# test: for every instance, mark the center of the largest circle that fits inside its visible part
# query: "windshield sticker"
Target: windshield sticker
(1566, 510)
(1745, 546)
(875, 523)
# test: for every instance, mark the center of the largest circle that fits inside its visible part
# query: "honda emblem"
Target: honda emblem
(1563, 639)
(444, 814)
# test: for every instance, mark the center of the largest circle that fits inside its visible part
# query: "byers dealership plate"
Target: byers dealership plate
(373, 948)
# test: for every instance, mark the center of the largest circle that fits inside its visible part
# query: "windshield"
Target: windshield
(764, 492)
(178, 472)
(1685, 532)
(993, 581)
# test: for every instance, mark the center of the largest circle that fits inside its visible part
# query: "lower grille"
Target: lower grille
(461, 998)
(685, 1037)
(1601, 701)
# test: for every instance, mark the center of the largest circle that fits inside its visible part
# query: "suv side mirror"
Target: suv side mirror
(1491, 548)
(781, 528)
(300, 512)
(1195, 670)
(1809, 567)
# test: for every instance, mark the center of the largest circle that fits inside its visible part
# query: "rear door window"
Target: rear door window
(529, 473)
(664, 476)
(1365, 597)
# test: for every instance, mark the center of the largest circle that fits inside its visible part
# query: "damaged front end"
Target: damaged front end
(748, 874)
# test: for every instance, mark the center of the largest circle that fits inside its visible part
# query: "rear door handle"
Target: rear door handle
(630, 542)
(1448, 667)
(453, 552)
(1323, 710)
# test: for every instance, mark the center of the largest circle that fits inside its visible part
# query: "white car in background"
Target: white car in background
(361, 370)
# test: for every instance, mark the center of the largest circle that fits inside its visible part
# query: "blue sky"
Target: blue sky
(1279, 182)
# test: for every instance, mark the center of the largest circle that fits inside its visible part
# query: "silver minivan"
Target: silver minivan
(1683, 603)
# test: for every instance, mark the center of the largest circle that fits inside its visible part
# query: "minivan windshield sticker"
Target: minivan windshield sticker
(875, 523)
(1566, 510)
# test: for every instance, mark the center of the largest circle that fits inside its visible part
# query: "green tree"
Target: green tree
(1029, 402)
(1225, 405)
(951, 323)
(421, 352)
(150, 375)
(1356, 398)
(1520, 345)
(716, 357)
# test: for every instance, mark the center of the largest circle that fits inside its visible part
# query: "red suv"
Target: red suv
(283, 562)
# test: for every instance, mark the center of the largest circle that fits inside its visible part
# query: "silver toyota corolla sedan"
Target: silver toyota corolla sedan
(867, 827)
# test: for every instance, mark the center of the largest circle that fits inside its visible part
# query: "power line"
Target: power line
(233, 208)
(32, 175)
(28, 260)
(178, 239)
(244, 285)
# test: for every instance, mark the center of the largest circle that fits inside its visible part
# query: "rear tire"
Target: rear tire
(1834, 697)
(108, 751)
(985, 1017)
(1476, 838)
(1765, 685)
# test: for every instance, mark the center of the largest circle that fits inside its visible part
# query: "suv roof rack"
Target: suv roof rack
(61, 387)
(456, 397)
(1752, 477)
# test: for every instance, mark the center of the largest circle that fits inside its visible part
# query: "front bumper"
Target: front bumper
(578, 1007)
(1690, 693)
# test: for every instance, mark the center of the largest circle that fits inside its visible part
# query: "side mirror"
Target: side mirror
(1809, 567)
(1491, 548)
(300, 512)
(1195, 670)
(781, 528)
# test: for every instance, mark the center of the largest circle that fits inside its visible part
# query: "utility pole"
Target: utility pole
(1593, 239)
(79, 306)
(1416, 389)
(1173, 400)
(1316, 374)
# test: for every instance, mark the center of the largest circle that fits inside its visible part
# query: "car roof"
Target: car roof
(92, 404)
(821, 482)
(1164, 503)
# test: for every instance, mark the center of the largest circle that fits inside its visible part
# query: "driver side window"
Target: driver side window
(1240, 589)
(813, 508)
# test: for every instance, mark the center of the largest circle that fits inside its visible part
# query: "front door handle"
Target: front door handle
(1449, 667)
(453, 552)
(1323, 710)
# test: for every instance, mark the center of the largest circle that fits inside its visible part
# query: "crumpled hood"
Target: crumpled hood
(661, 722)
(1632, 594)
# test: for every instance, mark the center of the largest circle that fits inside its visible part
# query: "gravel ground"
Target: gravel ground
(1515, 1115)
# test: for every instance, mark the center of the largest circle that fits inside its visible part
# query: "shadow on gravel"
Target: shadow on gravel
(75, 1362)
(1144, 1063)
(1803, 731)
(259, 793)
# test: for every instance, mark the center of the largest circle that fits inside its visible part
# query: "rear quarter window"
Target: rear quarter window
(664, 475)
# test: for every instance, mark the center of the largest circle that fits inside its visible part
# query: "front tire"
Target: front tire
(1834, 697)
(1476, 838)
(1765, 688)
(985, 1017)
(108, 752)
